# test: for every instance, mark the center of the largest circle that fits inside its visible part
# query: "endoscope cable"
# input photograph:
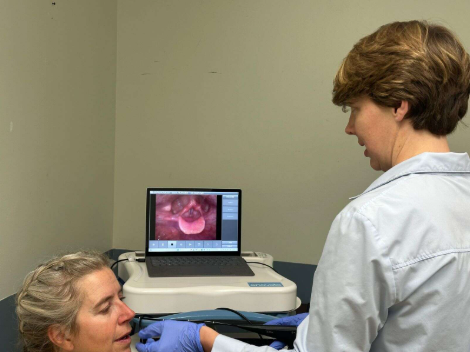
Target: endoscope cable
(251, 326)
(241, 315)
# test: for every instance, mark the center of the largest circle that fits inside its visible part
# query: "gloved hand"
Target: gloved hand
(292, 320)
(176, 336)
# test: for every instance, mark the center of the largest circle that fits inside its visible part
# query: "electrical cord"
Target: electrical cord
(269, 266)
(241, 315)
(121, 281)
(118, 261)
(237, 313)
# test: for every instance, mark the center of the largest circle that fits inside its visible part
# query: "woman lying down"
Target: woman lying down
(73, 303)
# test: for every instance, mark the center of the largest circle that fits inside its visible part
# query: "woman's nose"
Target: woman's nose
(350, 127)
(126, 315)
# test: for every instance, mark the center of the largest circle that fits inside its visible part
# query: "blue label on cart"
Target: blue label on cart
(265, 284)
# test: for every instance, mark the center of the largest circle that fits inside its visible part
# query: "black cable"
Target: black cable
(237, 313)
(118, 261)
(149, 317)
(241, 315)
(139, 327)
(269, 266)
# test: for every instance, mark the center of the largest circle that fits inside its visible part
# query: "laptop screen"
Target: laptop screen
(193, 221)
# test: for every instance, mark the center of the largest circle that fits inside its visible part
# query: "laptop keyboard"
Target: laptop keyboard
(196, 261)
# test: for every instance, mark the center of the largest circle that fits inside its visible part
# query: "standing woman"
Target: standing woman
(73, 303)
(394, 274)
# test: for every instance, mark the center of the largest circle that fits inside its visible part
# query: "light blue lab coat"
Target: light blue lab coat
(394, 274)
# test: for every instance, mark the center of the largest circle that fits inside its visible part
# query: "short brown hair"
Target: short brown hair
(415, 61)
(49, 297)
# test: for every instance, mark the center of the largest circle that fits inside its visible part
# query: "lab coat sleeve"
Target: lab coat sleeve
(352, 289)
(226, 344)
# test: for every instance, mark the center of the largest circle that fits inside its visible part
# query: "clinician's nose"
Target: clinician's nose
(350, 126)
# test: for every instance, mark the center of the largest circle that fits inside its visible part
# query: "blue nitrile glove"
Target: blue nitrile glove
(176, 336)
(292, 320)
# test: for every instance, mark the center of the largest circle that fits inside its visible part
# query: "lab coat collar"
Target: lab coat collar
(423, 164)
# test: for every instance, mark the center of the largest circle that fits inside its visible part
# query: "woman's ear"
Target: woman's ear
(401, 110)
(60, 338)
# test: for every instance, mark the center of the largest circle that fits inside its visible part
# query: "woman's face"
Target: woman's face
(103, 319)
(376, 128)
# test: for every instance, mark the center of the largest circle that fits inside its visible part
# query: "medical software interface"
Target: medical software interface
(189, 221)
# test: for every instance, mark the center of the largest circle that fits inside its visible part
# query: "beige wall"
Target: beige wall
(57, 110)
(208, 94)
(221, 93)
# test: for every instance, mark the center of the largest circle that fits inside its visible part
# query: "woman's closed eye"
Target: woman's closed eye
(106, 309)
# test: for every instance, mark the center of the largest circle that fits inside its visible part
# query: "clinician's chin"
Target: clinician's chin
(375, 165)
(376, 168)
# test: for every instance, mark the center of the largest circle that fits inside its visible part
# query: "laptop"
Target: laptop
(194, 232)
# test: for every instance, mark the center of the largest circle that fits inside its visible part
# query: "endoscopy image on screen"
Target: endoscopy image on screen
(185, 217)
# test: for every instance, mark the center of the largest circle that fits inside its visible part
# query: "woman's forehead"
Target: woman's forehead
(98, 284)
